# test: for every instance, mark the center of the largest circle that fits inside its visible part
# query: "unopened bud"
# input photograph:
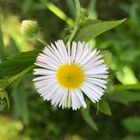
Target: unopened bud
(29, 29)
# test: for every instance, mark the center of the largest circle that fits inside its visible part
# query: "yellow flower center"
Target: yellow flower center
(70, 76)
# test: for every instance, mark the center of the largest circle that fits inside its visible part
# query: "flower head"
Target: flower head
(66, 75)
(29, 28)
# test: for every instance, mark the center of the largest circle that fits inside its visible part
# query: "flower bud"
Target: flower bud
(29, 29)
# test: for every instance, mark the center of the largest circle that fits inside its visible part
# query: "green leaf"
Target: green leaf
(3, 83)
(132, 138)
(57, 11)
(103, 107)
(25, 56)
(78, 9)
(20, 108)
(124, 97)
(17, 63)
(132, 124)
(91, 31)
(127, 87)
(88, 119)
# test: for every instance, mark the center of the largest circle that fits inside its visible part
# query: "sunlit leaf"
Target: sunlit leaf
(91, 31)
(57, 11)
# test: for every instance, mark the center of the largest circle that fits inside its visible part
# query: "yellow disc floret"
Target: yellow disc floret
(70, 76)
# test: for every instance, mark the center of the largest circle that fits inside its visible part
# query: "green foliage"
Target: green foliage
(132, 138)
(20, 109)
(1, 43)
(17, 63)
(103, 107)
(89, 120)
(124, 97)
(3, 83)
(37, 119)
(132, 124)
(4, 95)
(90, 31)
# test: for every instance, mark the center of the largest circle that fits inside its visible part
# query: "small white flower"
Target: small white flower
(65, 74)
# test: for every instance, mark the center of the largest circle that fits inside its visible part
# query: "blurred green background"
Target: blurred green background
(31, 118)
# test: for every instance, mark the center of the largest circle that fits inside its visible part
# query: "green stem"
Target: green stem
(77, 20)
(73, 34)
(42, 41)
(12, 79)
(58, 12)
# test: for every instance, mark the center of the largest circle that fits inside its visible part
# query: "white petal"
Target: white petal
(79, 52)
(63, 99)
(97, 70)
(45, 59)
(57, 53)
(98, 92)
(40, 71)
(93, 64)
(73, 53)
(75, 100)
(51, 54)
(81, 98)
(89, 58)
(61, 94)
(84, 53)
(98, 82)
(102, 76)
(69, 100)
(45, 82)
(62, 50)
(89, 94)
(43, 65)
(57, 96)
(50, 92)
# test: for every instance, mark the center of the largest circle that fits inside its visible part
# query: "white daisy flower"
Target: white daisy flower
(66, 73)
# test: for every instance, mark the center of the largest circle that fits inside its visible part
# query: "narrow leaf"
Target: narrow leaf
(103, 107)
(20, 109)
(88, 119)
(58, 12)
(78, 9)
(91, 31)
(127, 87)
(124, 97)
